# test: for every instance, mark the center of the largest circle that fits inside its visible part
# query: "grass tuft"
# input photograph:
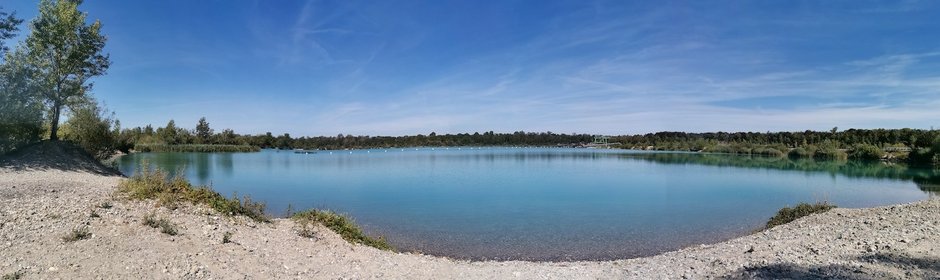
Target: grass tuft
(163, 224)
(227, 237)
(13, 276)
(156, 184)
(342, 225)
(787, 214)
(77, 234)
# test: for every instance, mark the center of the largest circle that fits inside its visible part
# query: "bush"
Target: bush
(867, 152)
(342, 225)
(13, 276)
(767, 151)
(77, 234)
(923, 156)
(799, 153)
(155, 183)
(787, 214)
(91, 129)
(830, 154)
(165, 225)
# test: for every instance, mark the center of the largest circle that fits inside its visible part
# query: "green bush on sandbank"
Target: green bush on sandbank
(156, 184)
(341, 224)
(788, 214)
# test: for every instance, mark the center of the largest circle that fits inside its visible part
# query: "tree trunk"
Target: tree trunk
(54, 130)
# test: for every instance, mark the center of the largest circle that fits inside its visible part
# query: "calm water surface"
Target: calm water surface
(544, 204)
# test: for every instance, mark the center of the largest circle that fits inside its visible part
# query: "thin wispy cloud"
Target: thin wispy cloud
(394, 68)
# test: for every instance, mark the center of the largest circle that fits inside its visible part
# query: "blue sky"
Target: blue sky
(611, 67)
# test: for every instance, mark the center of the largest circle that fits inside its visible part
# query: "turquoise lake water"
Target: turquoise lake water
(541, 203)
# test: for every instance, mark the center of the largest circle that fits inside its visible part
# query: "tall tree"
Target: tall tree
(66, 52)
(203, 132)
(169, 134)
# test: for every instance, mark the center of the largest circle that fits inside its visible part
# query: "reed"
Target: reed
(196, 148)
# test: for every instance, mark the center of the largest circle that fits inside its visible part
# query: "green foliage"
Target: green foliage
(866, 152)
(196, 148)
(90, 128)
(77, 234)
(163, 224)
(8, 28)
(21, 109)
(801, 152)
(787, 214)
(923, 156)
(156, 184)
(767, 151)
(203, 132)
(830, 154)
(170, 134)
(342, 225)
(64, 51)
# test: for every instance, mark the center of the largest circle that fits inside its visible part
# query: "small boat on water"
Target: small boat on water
(302, 151)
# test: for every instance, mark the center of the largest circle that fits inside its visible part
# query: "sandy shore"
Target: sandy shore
(39, 204)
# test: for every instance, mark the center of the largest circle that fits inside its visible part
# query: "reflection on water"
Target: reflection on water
(927, 179)
(545, 204)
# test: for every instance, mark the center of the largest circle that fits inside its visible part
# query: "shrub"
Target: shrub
(227, 237)
(165, 225)
(155, 183)
(767, 151)
(830, 154)
(799, 153)
(90, 128)
(13, 276)
(922, 156)
(342, 225)
(77, 234)
(787, 214)
(867, 152)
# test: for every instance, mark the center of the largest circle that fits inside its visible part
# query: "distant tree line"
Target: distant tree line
(171, 134)
(912, 145)
(906, 137)
(905, 144)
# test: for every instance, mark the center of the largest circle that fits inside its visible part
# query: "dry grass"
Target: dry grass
(156, 184)
(77, 234)
(342, 225)
(163, 224)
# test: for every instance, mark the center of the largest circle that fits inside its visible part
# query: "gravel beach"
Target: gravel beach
(47, 192)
